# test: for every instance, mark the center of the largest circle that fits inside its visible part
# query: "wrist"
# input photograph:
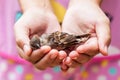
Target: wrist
(35, 4)
(95, 2)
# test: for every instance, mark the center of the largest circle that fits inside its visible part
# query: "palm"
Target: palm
(80, 19)
(81, 23)
(38, 22)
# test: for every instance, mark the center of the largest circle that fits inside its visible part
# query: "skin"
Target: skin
(86, 16)
(37, 19)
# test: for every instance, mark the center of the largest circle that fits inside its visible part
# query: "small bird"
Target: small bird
(35, 42)
(58, 40)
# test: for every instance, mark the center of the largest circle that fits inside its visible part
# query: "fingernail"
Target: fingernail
(73, 55)
(79, 49)
(62, 55)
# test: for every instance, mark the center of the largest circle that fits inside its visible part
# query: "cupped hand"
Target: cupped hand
(37, 21)
(86, 17)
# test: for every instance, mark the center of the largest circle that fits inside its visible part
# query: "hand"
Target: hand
(37, 21)
(86, 17)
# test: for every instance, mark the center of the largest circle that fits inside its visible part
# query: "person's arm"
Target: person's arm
(98, 2)
(34, 4)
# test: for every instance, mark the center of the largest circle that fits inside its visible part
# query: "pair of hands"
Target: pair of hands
(79, 19)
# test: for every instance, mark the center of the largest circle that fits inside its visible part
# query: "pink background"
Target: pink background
(8, 10)
(104, 68)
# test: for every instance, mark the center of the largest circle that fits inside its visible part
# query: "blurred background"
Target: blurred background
(10, 13)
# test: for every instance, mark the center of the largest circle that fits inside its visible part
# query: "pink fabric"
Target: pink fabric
(7, 15)
(12, 67)
(7, 20)
(113, 8)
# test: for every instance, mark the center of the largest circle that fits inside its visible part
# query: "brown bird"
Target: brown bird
(58, 40)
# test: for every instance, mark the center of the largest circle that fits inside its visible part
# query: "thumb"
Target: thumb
(104, 36)
(22, 38)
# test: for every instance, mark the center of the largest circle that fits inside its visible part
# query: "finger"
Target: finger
(79, 58)
(90, 47)
(39, 54)
(73, 54)
(71, 63)
(74, 64)
(104, 36)
(64, 67)
(83, 58)
(22, 54)
(58, 61)
(22, 36)
(62, 55)
(47, 60)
